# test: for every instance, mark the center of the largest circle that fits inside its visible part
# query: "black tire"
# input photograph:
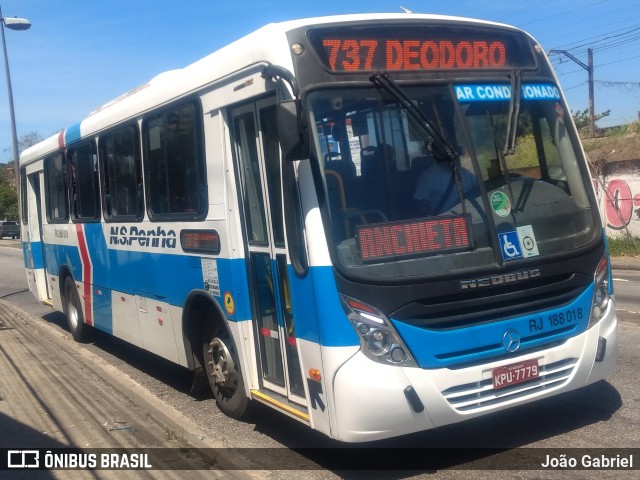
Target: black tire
(73, 310)
(223, 372)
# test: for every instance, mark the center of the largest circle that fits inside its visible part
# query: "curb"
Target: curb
(625, 263)
(230, 463)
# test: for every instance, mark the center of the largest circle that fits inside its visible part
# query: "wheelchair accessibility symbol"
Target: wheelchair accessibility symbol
(519, 244)
(510, 245)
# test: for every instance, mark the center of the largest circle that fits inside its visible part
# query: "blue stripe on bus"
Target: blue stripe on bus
(446, 348)
(32, 254)
(72, 134)
(170, 278)
(163, 277)
(102, 313)
(334, 330)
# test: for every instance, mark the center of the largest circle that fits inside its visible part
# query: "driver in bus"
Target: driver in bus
(436, 192)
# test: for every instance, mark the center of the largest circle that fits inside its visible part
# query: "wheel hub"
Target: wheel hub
(221, 361)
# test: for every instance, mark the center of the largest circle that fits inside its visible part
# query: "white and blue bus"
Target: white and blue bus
(375, 224)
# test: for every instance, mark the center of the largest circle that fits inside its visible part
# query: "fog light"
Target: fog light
(397, 355)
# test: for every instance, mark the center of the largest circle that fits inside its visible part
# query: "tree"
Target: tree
(28, 140)
(8, 203)
(8, 196)
(581, 118)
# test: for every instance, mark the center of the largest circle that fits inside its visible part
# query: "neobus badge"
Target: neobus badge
(495, 280)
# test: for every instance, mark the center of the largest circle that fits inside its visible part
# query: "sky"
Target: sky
(80, 54)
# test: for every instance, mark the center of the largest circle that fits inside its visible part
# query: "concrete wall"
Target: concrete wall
(618, 191)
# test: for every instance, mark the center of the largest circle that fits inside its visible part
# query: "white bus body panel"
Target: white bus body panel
(370, 403)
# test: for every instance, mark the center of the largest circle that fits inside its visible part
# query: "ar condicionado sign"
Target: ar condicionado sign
(371, 54)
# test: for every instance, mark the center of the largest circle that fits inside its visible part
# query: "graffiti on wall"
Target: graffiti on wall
(622, 204)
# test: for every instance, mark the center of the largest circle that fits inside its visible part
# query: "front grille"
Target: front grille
(549, 338)
(478, 395)
(466, 309)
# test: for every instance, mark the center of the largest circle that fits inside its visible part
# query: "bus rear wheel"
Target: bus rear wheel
(73, 310)
(223, 373)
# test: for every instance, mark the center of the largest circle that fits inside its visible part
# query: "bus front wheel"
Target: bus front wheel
(73, 311)
(223, 372)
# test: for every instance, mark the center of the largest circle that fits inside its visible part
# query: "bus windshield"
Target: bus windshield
(477, 179)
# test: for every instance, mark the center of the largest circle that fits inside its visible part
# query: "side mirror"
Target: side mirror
(293, 131)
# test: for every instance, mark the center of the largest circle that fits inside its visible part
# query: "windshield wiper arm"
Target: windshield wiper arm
(514, 112)
(383, 81)
(500, 154)
(386, 83)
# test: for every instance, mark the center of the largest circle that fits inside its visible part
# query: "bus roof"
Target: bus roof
(265, 45)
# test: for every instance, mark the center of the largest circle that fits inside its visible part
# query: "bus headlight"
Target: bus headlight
(601, 296)
(379, 340)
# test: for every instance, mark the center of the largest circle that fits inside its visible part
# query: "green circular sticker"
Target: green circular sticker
(500, 204)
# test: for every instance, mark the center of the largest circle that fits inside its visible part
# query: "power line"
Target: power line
(589, 68)
(556, 66)
(574, 86)
(610, 35)
(572, 11)
(601, 15)
(607, 42)
(610, 46)
(608, 83)
(522, 10)
(618, 61)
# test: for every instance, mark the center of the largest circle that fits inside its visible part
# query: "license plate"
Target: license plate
(515, 373)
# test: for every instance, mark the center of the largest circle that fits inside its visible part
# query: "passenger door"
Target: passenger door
(35, 254)
(255, 138)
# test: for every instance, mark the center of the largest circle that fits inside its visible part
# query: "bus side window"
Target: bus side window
(56, 188)
(83, 176)
(174, 163)
(121, 167)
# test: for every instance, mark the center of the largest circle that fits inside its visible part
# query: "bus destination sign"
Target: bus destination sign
(381, 241)
(420, 49)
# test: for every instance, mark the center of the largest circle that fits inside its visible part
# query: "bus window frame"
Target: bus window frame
(47, 190)
(103, 166)
(24, 198)
(76, 217)
(200, 164)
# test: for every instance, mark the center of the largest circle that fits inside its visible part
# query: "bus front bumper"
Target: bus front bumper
(371, 402)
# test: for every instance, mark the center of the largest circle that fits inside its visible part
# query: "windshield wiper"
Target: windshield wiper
(438, 139)
(383, 81)
(514, 112)
(511, 128)
(500, 154)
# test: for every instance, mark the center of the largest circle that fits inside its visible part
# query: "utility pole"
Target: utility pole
(592, 113)
(589, 69)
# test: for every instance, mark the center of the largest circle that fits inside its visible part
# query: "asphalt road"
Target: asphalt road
(604, 415)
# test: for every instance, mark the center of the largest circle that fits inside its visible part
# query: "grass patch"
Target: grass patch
(624, 246)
